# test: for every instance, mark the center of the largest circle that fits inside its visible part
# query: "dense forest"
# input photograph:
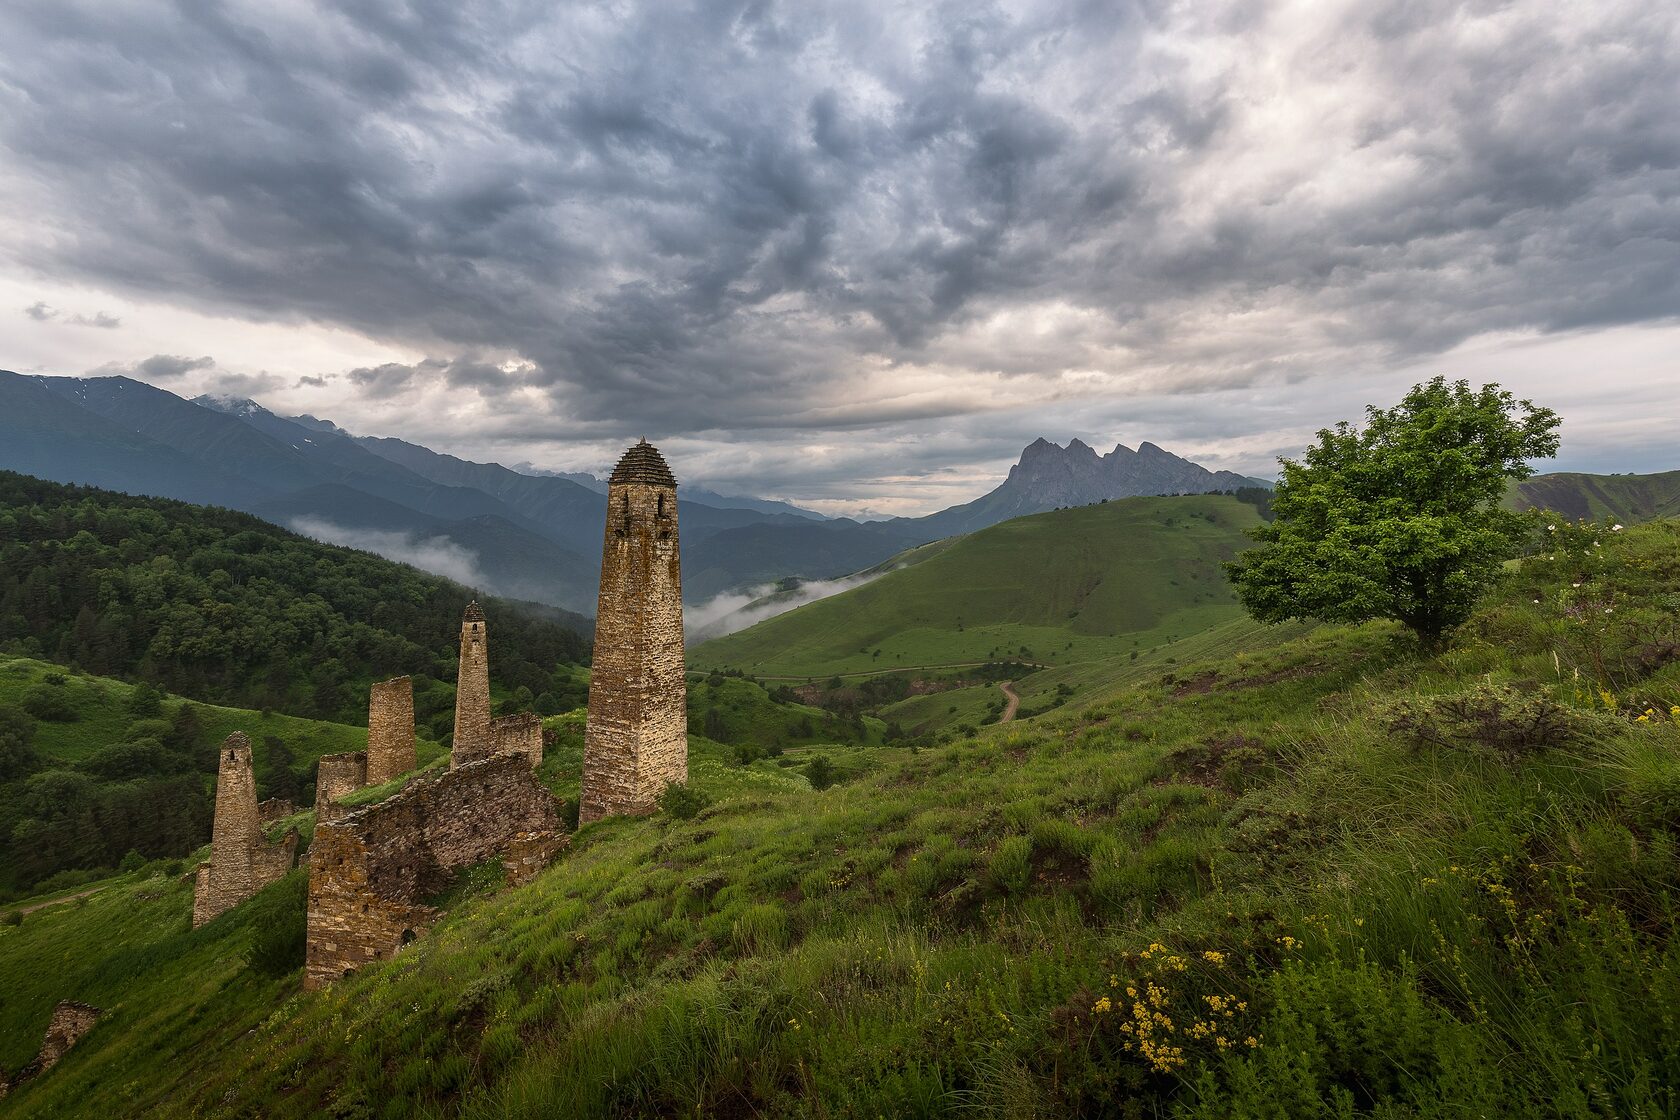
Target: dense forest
(226, 608)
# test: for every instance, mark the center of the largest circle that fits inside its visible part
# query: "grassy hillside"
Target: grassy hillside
(1074, 686)
(1628, 498)
(103, 717)
(93, 768)
(1320, 878)
(1056, 588)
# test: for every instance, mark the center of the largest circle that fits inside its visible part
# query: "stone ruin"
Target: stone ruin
(521, 734)
(70, 1021)
(471, 740)
(372, 871)
(242, 861)
(390, 751)
(274, 809)
(335, 776)
(636, 740)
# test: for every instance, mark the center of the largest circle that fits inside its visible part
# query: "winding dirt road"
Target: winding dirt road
(1014, 701)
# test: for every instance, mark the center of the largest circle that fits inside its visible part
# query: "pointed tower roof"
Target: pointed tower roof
(473, 613)
(643, 463)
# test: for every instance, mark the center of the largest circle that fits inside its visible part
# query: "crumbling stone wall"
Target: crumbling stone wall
(242, 862)
(335, 776)
(471, 740)
(70, 1021)
(372, 871)
(390, 749)
(636, 740)
(274, 809)
(520, 734)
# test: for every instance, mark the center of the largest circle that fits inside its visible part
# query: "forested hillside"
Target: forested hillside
(224, 607)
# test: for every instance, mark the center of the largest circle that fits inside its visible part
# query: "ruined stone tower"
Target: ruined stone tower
(390, 749)
(636, 741)
(472, 691)
(242, 861)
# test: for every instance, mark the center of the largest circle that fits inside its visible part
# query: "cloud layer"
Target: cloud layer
(834, 233)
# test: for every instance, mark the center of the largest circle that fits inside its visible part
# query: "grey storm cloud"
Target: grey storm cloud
(163, 366)
(747, 216)
(42, 313)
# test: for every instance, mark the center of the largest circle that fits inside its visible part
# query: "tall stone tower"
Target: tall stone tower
(472, 691)
(242, 862)
(636, 741)
(390, 749)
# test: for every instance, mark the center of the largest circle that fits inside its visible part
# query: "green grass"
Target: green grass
(1059, 588)
(1254, 843)
(102, 719)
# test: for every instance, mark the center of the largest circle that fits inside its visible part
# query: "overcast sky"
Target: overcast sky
(854, 255)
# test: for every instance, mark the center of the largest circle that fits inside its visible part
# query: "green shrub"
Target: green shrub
(820, 772)
(1493, 717)
(761, 927)
(13, 918)
(133, 861)
(1012, 865)
(279, 917)
(45, 702)
(683, 802)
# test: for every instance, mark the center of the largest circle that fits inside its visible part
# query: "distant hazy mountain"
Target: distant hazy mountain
(1049, 476)
(525, 536)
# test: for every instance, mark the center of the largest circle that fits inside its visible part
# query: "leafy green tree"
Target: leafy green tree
(820, 772)
(145, 702)
(1401, 518)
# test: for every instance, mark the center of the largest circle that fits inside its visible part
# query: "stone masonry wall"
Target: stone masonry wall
(335, 776)
(274, 809)
(520, 734)
(390, 749)
(372, 871)
(242, 862)
(636, 740)
(471, 740)
(70, 1021)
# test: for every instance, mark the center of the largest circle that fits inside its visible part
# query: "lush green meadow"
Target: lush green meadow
(1312, 874)
(1058, 588)
(103, 717)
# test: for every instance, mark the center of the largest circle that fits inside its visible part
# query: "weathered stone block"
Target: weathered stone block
(521, 734)
(390, 749)
(335, 776)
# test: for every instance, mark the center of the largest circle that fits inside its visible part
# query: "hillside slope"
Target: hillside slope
(1279, 883)
(224, 607)
(1628, 498)
(1054, 588)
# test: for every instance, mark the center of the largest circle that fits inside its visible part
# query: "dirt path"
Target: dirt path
(1014, 701)
(34, 906)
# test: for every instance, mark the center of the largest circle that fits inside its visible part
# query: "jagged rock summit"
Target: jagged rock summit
(1049, 476)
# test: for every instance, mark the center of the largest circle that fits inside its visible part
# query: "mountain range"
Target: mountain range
(518, 533)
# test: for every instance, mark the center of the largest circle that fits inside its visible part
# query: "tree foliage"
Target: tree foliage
(1401, 518)
(226, 608)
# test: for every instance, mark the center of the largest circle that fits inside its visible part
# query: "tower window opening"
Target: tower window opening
(661, 511)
